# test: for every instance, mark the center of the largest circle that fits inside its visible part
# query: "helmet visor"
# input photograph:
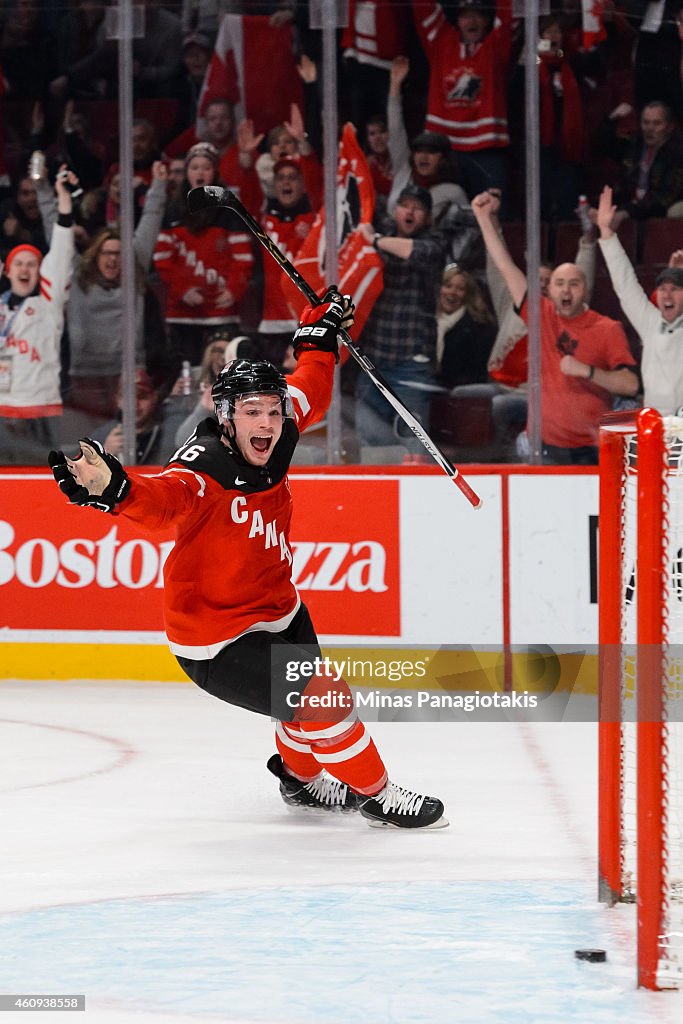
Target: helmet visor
(225, 407)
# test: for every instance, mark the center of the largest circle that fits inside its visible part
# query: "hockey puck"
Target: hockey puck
(593, 956)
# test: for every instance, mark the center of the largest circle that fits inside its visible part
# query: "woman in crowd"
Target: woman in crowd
(427, 161)
(466, 329)
(94, 311)
(205, 267)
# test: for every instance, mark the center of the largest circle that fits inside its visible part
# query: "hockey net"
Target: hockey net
(641, 683)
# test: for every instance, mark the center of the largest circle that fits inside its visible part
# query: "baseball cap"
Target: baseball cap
(670, 275)
(421, 195)
(144, 385)
(286, 161)
(197, 39)
(474, 5)
(433, 141)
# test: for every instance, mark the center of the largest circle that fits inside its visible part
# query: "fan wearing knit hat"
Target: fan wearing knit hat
(201, 156)
(31, 324)
(26, 251)
(206, 265)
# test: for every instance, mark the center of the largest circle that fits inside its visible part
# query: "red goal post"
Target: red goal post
(640, 609)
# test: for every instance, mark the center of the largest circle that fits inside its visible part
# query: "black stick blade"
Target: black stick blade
(208, 196)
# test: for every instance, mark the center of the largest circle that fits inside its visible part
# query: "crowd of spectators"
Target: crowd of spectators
(436, 94)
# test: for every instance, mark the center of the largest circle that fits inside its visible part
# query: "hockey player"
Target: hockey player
(233, 617)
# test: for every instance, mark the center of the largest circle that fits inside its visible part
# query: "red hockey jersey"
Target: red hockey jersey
(376, 32)
(277, 314)
(230, 571)
(467, 91)
(212, 260)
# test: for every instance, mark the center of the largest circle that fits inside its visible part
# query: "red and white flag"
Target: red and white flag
(360, 266)
(253, 66)
(593, 22)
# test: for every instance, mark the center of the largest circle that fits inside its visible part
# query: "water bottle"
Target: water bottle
(36, 166)
(186, 378)
(584, 216)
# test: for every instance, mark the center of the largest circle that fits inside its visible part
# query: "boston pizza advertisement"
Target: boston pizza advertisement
(65, 568)
(379, 555)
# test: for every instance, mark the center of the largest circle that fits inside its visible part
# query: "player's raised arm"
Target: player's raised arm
(319, 325)
(311, 383)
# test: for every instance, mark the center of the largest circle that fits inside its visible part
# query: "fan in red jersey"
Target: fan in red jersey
(233, 617)
(205, 268)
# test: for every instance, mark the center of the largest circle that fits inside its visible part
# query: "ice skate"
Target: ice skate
(396, 807)
(323, 793)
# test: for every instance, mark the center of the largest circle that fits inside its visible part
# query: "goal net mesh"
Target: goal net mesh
(669, 970)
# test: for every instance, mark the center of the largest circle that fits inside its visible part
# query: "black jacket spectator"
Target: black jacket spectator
(664, 180)
(466, 330)
(657, 56)
(27, 51)
(467, 346)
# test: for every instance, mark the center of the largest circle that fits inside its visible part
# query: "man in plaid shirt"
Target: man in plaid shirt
(400, 334)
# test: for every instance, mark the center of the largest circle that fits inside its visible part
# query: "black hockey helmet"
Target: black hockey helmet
(243, 377)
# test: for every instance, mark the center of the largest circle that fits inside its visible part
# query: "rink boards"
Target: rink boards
(392, 558)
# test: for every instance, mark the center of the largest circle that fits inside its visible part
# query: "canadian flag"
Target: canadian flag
(253, 66)
(593, 23)
(360, 266)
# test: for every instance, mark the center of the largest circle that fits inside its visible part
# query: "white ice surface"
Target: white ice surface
(146, 860)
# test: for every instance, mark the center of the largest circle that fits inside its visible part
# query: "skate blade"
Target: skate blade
(441, 823)
(323, 811)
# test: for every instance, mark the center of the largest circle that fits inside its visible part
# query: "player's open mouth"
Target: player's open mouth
(261, 444)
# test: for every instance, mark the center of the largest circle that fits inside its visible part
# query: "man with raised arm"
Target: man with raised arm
(233, 616)
(468, 70)
(585, 358)
(660, 326)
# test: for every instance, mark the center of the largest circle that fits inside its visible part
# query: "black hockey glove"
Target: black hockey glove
(319, 325)
(107, 482)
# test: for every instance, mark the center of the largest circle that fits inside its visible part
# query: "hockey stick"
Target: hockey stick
(210, 196)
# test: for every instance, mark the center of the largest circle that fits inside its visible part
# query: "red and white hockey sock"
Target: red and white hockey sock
(296, 755)
(345, 749)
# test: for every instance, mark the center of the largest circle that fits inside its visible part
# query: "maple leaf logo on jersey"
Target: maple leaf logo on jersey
(566, 345)
(463, 85)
